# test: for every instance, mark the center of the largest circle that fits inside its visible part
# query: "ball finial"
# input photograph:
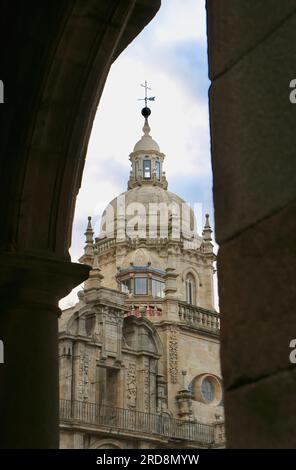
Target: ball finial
(146, 112)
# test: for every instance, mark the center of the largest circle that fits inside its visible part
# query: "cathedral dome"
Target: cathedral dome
(150, 194)
(143, 196)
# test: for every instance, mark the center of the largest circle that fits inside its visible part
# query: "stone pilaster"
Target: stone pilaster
(171, 294)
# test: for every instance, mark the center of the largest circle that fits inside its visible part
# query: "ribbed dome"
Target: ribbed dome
(146, 143)
(146, 195)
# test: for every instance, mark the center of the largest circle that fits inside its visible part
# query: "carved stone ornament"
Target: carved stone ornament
(173, 355)
(131, 386)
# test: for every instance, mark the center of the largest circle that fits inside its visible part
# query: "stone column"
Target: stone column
(30, 289)
(252, 52)
(171, 294)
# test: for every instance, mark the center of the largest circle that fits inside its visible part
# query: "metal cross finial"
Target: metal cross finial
(151, 98)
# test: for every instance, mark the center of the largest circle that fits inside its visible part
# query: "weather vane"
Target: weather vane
(151, 98)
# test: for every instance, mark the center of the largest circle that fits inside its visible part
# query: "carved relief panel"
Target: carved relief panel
(131, 385)
(173, 354)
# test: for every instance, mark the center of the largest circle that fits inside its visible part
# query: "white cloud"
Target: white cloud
(181, 20)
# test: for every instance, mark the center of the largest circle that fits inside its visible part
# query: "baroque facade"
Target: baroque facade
(139, 352)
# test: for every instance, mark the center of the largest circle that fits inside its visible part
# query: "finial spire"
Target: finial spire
(95, 276)
(89, 238)
(87, 257)
(206, 234)
(207, 237)
(89, 233)
(146, 128)
(89, 223)
(184, 373)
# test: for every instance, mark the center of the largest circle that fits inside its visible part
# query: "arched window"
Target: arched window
(190, 289)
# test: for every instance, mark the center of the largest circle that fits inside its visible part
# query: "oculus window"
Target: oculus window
(207, 389)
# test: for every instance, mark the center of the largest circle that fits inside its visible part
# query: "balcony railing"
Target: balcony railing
(199, 317)
(121, 419)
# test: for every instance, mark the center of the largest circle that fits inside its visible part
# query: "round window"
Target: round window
(208, 390)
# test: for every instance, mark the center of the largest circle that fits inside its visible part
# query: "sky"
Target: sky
(171, 54)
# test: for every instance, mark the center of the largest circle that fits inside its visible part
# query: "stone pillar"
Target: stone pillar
(30, 289)
(184, 400)
(184, 403)
(78, 440)
(219, 433)
(171, 294)
(252, 52)
(161, 393)
(65, 369)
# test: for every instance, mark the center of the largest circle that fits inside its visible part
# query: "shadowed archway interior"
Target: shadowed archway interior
(55, 59)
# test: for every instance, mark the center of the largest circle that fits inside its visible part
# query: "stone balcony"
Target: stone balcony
(105, 419)
(190, 315)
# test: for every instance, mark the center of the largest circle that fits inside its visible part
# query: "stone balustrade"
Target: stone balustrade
(199, 317)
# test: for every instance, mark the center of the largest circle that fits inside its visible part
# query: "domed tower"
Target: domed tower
(148, 303)
(148, 246)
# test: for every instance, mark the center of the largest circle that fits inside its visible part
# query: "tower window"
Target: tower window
(126, 286)
(157, 168)
(147, 169)
(137, 168)
(141, 286)
(157, 288)
(190, 289)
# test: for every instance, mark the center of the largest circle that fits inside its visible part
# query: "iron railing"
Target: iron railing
(199, 317)
(135, 421)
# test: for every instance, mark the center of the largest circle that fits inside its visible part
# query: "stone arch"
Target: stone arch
(195, 274)
(56, 65)
(131, 322)
(191, 272)
(153, 334)
(106, 444)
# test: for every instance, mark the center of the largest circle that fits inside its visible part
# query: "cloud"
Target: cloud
(178, 21)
